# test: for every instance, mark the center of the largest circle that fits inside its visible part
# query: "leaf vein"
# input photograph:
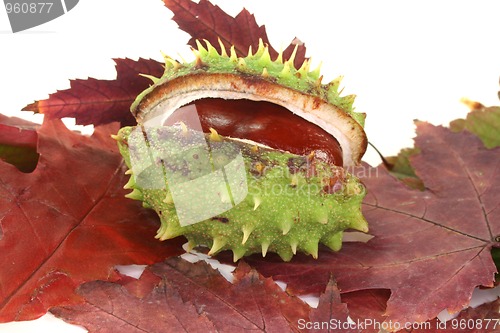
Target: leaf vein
(428, 221)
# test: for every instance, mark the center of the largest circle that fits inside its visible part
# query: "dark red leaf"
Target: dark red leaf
(331, 315)
(431, 248)
(252, 303)
(68, 222)
(205, 21)
(110, 307)
(97, 102)
(178, 296)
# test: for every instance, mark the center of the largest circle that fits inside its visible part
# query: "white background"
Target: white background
(403, 59)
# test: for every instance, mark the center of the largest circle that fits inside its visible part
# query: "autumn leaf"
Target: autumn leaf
(252, 303)
(18, 140)
(110, 307)
(484, 318)
(187, 297)
(204, 20)
(430, 248)
(68, 222)
(97, 102)
(332, 311)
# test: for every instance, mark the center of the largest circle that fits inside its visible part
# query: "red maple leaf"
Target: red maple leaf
(251, 303)
(430, 248)
(205, 21)
(97, 102)
(331, 315)
(113, 307)
(68, 222)
(187, 297)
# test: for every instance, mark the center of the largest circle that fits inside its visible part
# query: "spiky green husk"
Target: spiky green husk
(292, 204)
(259, 65)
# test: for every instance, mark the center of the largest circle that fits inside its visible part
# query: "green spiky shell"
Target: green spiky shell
(299, 216)
(288, 208)
(260, 78)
